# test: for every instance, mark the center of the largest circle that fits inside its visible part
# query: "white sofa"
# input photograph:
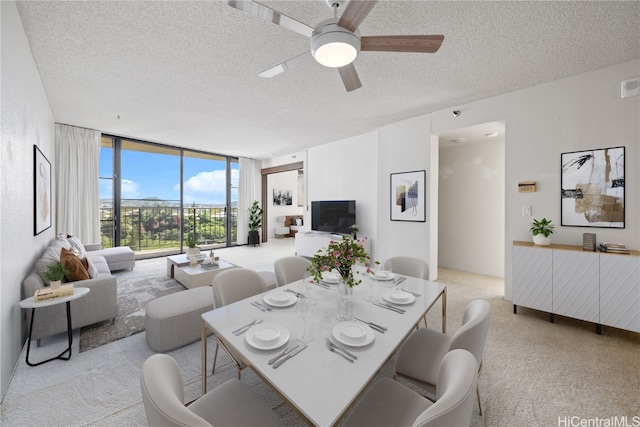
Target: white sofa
(99, 305)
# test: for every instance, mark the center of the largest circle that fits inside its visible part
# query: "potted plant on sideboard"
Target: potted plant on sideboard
(255, 222)
(541, 230)
(54, 274)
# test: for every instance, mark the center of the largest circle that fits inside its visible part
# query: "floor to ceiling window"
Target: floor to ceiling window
(153, 197)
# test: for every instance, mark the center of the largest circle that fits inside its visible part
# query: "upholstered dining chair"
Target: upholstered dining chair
(389, 403)
(418, 359)
(289, 269)
(231, 404)
(409, 266)
(233, 285)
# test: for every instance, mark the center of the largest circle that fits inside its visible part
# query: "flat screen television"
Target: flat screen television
(333, 216)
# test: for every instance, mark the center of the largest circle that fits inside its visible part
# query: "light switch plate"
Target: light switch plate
(526, 210)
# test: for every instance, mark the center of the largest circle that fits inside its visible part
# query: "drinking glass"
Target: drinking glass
(372, 289)
(386, 271)
(308, 286)
(304, 310)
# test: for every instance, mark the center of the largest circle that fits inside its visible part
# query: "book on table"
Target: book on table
(48, 293)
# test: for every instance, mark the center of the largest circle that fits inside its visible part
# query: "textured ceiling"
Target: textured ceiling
(186, 73)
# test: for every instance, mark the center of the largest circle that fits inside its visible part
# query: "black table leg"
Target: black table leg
(69, 336)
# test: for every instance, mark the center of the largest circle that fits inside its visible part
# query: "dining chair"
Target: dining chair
(232, 403)
(289, 269)
(418, 360)
(233, 285)
(389, 403)
(409, 266)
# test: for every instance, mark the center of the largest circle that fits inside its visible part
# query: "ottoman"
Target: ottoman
(173, 320)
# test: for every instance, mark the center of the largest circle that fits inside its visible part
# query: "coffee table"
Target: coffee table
(193, 276)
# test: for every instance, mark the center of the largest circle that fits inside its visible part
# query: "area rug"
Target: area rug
(148, 280)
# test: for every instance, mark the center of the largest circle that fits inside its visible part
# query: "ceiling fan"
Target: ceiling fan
(336, 42)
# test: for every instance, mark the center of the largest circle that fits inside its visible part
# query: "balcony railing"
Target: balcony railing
(159, 228)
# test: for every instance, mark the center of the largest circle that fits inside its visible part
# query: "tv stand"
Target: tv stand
(309, 243)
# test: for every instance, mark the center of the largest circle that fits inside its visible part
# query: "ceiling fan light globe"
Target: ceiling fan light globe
(335, 49)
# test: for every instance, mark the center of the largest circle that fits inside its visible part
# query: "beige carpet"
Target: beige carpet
(534, 373)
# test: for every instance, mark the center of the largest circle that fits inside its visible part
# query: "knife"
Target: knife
(389, 307)
(372, 325)
(287, 357)
(298, 294)
(284, 353)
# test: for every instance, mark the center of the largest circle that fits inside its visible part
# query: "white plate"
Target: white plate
(353, 334)
(280, 299)
(398, 297)
(266, 330)
(330, 277)
(383, 275)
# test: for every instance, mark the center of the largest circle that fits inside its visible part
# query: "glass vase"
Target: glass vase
(345, 301)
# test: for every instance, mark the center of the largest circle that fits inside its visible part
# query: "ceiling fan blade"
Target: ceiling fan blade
(350, 77)
(263, 12)
(287, 65)
(422, 44)
(355, 12)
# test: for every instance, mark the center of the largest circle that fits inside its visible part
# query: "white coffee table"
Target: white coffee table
(193, 276)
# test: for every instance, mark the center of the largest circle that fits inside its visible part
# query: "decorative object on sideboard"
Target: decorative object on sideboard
(255, 222)
(589, 242)
(592, 188)
(541, 230)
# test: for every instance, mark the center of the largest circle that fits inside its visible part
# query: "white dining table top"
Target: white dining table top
(319, 384)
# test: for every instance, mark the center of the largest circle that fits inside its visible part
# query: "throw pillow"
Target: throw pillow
(73, 265)
(77, 244)
(91, 268)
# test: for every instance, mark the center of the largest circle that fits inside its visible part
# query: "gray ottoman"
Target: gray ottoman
(173, 320)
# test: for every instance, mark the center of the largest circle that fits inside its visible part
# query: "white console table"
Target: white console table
(308, 244)
(593, 286)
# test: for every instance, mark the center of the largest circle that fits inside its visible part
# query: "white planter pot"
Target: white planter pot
(540, 240)
(55, 284)
(192, 252)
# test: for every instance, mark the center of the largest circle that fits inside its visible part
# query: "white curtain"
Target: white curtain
(77, 169)
(248, 191)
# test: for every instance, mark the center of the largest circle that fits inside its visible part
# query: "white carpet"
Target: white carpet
(533, 373)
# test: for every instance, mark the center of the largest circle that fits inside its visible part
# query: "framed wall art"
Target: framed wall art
(41, 191)
(592, 193)
(408, 196)
(282, 197)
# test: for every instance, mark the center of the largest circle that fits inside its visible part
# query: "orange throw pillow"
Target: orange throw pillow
(73, 265)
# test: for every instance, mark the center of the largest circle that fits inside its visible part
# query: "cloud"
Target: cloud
(207, 187)
(129, 189)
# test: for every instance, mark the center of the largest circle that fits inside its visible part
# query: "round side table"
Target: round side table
(33, 304)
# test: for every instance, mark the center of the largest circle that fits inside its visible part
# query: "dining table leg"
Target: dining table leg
(204, 357)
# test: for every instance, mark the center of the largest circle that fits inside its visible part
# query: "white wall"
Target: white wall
(281, 181)
(576, 113)
(346, 170)
(471, 208)
(404, 146)
(26, 121)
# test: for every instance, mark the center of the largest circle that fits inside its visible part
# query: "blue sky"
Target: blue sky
(146, 175)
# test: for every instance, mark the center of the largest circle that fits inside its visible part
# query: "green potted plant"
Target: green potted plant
(541, 230)
(54, 274)
(255, 222)
(192, 250)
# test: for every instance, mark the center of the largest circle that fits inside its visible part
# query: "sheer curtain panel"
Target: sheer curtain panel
(248, 191)
(77, 172)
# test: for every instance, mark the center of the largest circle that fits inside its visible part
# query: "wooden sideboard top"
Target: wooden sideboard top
(567, 248)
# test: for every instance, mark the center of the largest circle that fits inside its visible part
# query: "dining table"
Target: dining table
(319, 383)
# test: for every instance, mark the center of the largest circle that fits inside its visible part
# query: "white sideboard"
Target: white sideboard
(308, 243)
(565, 280)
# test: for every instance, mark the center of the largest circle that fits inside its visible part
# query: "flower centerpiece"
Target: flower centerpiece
(340, 255)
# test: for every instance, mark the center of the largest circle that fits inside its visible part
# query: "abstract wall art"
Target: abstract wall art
(408, 196)
(41, 191)
(593, 188)
(282, 197)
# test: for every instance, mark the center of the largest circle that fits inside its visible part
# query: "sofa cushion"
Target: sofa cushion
(100, 264)
(77, 244)
(76, 270)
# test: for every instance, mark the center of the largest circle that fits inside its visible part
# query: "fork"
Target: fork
(247, 326)
(339, 354)
(337, 347)
(409, 292)
(266, 307)
(255, 304)
(284, 353)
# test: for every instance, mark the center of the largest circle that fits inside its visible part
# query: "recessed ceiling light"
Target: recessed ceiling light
(457, 140)
(491, 134)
